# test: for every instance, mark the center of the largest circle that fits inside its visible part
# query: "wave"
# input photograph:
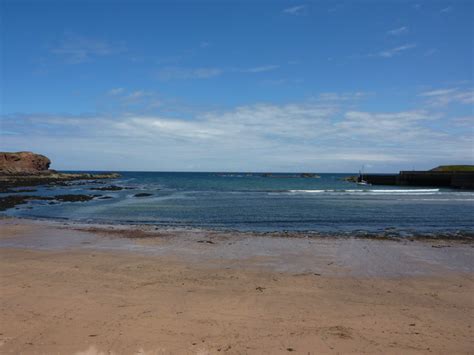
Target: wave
(370, 191)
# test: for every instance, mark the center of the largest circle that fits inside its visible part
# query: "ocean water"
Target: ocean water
(252, 202)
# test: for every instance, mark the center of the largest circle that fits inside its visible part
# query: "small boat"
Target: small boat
(360, 180)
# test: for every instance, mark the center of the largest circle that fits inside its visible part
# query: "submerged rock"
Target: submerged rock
(309, 175)
(350, 178)
(14, 200)
(143, 194)
(108, 188)
(11, 201)
(74, 198)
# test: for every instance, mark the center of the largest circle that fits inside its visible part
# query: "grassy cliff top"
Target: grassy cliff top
(454, 168)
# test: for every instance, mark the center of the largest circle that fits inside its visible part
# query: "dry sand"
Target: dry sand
(102, 293)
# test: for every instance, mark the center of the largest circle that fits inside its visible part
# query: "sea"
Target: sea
(257, 202)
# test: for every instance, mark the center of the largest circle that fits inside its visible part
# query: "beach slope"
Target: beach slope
(81, 299)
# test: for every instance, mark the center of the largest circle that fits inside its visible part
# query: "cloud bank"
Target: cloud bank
(322, 134)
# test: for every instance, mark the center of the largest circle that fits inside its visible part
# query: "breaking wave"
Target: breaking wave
(369, 191)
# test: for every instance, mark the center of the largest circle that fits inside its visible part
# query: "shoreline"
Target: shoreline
(382, 256)
(388, 233)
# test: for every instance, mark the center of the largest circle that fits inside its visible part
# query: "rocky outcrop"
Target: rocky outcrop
(11, 201)
(352, 178)
(30, 169)
(23, 163)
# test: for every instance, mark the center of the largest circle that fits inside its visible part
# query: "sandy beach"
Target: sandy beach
(89, 290)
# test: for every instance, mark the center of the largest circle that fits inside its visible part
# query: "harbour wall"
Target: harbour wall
(456, 179)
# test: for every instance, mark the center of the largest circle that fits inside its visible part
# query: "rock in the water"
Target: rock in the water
(23, 163)
(143, 194)
(74, 198)
(108, 188)
(309, 175)
(11, 201)
(350, 178)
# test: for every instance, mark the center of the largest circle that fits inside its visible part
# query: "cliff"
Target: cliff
(23, 163)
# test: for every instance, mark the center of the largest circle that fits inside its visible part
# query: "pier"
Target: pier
(453, 179)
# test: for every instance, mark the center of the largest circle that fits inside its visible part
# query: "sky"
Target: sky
(318, 86)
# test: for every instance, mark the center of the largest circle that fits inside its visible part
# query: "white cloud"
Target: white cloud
(183, 73)
(136, 96)
(440, 92)
(465, 121)
(260, 69)
(116, 91)
(446, 10)
(431, 52)
(319, 133)
(398, 127)
(342, 97)
(295, 10)
(78, 49)
(389, 53)
(142, 100)
(443, 97)
(398, 31)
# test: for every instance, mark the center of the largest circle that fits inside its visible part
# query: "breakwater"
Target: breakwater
(454, 179)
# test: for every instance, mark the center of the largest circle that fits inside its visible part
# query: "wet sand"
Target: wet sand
(81, 289)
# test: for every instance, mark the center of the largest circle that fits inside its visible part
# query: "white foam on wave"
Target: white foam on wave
(445, 199)
(403, 191)
(371, 191)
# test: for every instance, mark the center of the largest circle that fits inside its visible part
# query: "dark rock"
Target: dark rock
(309, 175)
(143, 194)
(108, 188)
(105, 198)
(74, 198)
(11, 201)
(350, 179)
(56, 179)
(9, 191)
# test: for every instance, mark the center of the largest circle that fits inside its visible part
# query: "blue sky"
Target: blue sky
(239, 85)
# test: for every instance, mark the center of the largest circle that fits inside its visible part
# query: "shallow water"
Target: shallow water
(251, 202)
